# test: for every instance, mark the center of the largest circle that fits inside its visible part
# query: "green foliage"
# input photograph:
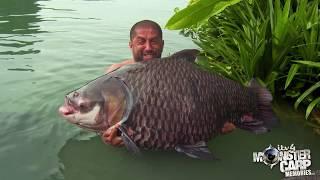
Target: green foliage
(306, 93)
(197, 11)
(292, 72)
(307, 51)
(311, 106)
(236, 42)
(309, 63)
(274, 41)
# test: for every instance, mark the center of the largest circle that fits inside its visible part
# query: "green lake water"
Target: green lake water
(48, 48)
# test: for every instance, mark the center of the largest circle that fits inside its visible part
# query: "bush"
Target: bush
(274, 41)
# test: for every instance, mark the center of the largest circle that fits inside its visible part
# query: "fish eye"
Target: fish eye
(75, 94)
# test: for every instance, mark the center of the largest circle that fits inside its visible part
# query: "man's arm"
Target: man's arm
(118, 65)
(110, 136)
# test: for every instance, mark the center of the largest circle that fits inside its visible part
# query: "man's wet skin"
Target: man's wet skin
(111, 136)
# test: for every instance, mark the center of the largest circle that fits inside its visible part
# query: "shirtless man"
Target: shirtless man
(146, 43)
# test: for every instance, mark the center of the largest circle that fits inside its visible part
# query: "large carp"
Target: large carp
(168, 103)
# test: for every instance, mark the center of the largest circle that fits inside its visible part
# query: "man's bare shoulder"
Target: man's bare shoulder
(118, 65)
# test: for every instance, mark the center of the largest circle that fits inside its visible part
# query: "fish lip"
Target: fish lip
(68, 109)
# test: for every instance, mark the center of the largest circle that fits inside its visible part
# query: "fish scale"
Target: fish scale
(193, 96)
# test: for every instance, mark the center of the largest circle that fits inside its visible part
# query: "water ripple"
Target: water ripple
(73, 18)
(56, 9)
(20, 52)
(21, 69)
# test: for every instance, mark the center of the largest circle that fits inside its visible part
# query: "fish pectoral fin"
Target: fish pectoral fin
(199, 150)
(130, 145)
(254, 126)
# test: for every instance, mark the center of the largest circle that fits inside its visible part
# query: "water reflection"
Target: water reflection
(18, 24)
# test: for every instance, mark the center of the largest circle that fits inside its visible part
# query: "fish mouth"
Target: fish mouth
(72, 114)
(67, 109)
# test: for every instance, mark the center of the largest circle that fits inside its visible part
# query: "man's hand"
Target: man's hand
(228, 127)
(110, 136)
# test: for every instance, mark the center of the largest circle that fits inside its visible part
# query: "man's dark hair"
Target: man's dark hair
(145, 23)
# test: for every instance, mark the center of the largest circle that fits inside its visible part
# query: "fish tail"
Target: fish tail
(264, 118)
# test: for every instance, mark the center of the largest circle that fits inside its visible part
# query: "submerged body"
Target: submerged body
(168, 104)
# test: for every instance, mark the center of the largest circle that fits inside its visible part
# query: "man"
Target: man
(146, 43)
